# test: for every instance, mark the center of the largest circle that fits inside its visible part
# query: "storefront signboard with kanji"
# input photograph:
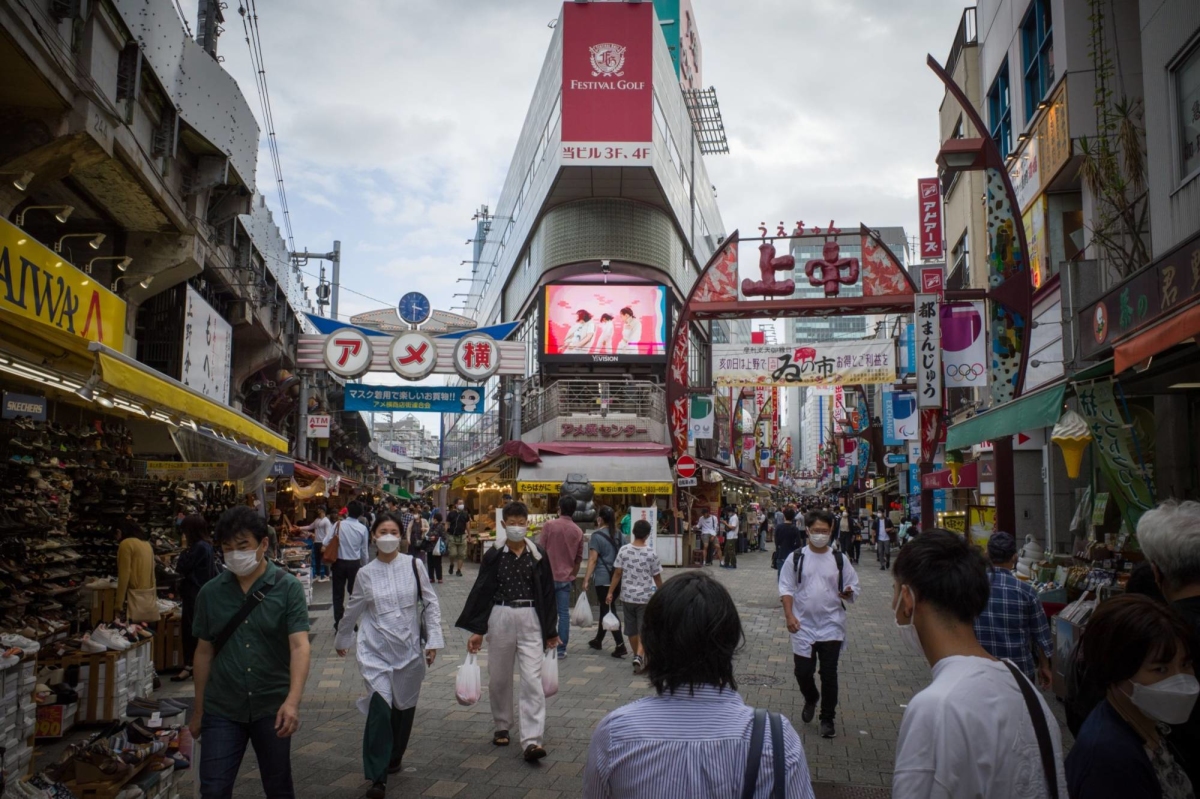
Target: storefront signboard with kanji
(432, 399)
(822, 363)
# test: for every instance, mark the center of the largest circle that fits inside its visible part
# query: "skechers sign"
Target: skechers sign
(24, 405)
(38, 285)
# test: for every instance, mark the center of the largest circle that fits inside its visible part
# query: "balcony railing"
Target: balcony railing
(967, 34)
(598, 398)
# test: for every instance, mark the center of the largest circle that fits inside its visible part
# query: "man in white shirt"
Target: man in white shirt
(319, 532)
(883, 542)
(731, 540)
(971, 731)
(707, 525)
(814, 584)
(352, 555)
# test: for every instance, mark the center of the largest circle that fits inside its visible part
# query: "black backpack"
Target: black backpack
(838, 557)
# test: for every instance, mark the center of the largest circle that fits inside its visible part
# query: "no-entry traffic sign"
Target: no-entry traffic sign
(685, 466)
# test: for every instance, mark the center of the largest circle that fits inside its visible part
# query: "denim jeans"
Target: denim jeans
(562, 595)
(222, 746)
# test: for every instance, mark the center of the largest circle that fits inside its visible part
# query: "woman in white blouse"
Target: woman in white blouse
(399, 626)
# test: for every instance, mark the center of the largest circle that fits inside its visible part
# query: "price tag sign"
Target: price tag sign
(155, 720)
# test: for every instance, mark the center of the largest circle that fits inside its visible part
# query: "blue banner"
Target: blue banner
(283, 468)
(908, 350)
(914, 478)
(18, 405)
(896, 459)
(939, 501)
(415, 399)
(899, 417)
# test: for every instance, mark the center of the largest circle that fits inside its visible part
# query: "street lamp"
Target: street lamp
(144, 282)
(63, 212)
(123, 262)
(96, 239)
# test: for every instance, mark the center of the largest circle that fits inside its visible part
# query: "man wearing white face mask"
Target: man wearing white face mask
(251, 662)
(512, 603)
(815, 582)
(980, 728)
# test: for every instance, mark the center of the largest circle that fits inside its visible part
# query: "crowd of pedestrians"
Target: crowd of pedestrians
(980, 728)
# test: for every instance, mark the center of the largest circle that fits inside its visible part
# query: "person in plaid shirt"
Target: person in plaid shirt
(1014, 625)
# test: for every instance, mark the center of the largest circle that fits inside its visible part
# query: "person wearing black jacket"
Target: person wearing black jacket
(512, 603)
(197, 565)
(787, 537)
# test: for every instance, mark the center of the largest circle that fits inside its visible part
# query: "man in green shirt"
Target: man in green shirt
(248, 686)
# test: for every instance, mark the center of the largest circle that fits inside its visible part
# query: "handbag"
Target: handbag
(330, 553)
(141, 604)
(420, 605)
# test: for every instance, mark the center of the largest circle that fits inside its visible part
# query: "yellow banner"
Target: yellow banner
(184, 470)
(37, 284)
(554, 486)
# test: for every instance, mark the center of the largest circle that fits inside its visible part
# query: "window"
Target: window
(1187, 93)
(999, 113)
(960, 269)
(1037, 52)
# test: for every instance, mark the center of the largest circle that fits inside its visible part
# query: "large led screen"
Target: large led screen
(604, 323)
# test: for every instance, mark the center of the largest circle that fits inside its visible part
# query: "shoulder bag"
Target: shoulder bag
(330, 553)
(420, 605)
(754, 758)
(1040, 729)
(248, 605)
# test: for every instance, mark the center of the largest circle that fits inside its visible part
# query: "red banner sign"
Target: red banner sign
(968, 477)
(929, 191)
(607, 83)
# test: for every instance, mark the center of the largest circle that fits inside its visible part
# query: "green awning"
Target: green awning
(400, 492)
(1039, 409)
(1102, 369)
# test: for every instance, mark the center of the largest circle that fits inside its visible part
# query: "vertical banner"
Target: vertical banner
(701, 417)
(607, 84)
(964, 349)
(899, 418)
(1121, 456)
(649, 514)
(839, 405)
(908, 350)
(929, 352)
(929, 191)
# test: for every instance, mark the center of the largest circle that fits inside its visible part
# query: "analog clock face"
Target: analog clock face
(414, 308)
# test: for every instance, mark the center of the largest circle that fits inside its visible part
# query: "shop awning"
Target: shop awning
(880, 489)
(122, 374)
(632, 474)
(400, 492)
(1156, 339)
(728, 473)
(1039, 409)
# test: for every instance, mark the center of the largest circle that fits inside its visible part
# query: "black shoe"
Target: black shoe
(827, 729)
(394, 766)
(594, 644)
(810, 710)
(620, 651)
(378, 790)
(533, 752)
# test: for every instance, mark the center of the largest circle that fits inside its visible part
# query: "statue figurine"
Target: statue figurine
(830, 269)
(768, 265)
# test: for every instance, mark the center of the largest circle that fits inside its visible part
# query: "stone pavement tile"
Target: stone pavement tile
(477, 761)
(313, 748)
(444, 788)
(542, 793)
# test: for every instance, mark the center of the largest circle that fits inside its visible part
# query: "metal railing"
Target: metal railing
(966, 34)
(599, 398)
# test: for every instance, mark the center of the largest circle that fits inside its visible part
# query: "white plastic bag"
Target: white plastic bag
(581, 616)
(468, 686)
(550, 672)
(610, 622)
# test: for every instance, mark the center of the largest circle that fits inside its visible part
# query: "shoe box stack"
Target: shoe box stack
(298, 560)
(18, 713)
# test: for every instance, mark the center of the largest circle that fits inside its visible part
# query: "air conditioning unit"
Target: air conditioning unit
(241, 313)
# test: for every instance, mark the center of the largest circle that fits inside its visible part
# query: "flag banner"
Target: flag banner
(825, 363)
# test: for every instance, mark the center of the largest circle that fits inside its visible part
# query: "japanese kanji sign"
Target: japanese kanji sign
(615, 430)
(431, 399)
(824, 363)
(929, 192)
(929, 351)
(1121, 456)
(476, 356)
(413, 355)
(348, 353)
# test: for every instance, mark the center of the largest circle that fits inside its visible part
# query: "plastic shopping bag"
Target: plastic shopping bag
(550, 672)
(468, 686)
(610, 622)
(581, 616)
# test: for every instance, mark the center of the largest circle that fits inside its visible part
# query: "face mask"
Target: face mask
(514, 532)
(819, 540)
(241, 561)
(1169, 701)
(908, 632)
(459, 507)
(387, 544)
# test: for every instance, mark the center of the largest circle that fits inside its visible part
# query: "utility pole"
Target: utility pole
(334, 257)
(302, 429)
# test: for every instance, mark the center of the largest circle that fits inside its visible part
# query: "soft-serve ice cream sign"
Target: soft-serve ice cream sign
(607, 84)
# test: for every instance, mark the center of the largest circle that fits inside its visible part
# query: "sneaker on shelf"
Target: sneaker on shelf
(92, 647)
(14, 641)
(110, 638)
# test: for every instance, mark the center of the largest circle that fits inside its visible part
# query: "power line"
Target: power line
(183, 19)
(254, 43)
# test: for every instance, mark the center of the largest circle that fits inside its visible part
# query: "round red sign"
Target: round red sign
(685, 466)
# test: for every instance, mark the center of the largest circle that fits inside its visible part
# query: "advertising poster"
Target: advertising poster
(1120, 456)
(207, 347)
(822, 363)
(431, 399)
(614, 323)
(900, 422)
(700, 425)
(964, 349)
(607, 84)
(930, 192)
(981, 521)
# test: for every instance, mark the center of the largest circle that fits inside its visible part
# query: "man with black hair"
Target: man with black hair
(562, 541)
(787, 537)
(352, 554)
(815, 582)
(980, 728)
(512, 603)
(1014, 624)
(638, 565)
(697, 721)
(251, 662)
(458, 522)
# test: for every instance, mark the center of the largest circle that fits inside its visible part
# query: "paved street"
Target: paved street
(451, 753)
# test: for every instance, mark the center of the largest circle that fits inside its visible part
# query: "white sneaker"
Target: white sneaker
(91, 646)
(11, 640)
(110, 639)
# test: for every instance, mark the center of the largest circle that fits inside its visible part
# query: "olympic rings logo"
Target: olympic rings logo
(964, 373)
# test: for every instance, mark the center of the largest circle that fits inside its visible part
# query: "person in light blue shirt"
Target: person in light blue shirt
(697, 722)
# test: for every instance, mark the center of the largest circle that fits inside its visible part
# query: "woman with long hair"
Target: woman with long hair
(603, 545)
(197, 565)
(400, 630)
(433, 543)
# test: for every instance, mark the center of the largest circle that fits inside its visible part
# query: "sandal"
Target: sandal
(182, 676)
(500, 738)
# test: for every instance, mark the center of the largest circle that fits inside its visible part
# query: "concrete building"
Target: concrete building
(592, 221)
